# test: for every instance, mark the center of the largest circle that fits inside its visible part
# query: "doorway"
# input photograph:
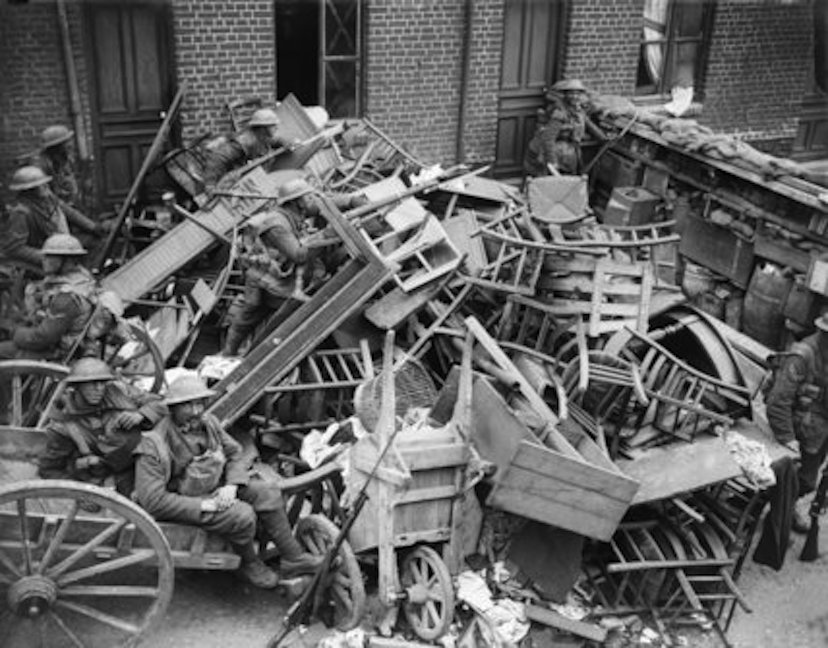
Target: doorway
(532, 53)
(129, 51)
(319, 55)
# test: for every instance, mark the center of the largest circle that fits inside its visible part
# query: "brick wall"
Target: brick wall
(33, 88)
(224, 50)
(414, 54)
(602, 44)
(759, 64)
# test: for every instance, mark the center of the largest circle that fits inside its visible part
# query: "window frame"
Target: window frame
(672, 42)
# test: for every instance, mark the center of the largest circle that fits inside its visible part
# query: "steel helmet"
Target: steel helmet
(187, 388)
(263, 117)
(28, 177)
(54, 135)
(294, 189)
(62, 245)
(570, 85)
(89, 370)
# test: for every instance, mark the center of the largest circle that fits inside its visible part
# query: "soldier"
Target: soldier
(278, 264)
(35, 215)
(190, 470)
(797, 407)
(258, 138)
(568, 121)
(93, 436)
(59, 306)
(56, 161)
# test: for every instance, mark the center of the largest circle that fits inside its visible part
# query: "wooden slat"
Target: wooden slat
(296, 337)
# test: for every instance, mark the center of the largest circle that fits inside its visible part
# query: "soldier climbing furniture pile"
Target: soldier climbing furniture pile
(567, 399)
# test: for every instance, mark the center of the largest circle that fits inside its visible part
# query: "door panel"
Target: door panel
(532, 41)
(129, 53)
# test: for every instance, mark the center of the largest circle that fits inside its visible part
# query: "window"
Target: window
(673, 45)
(319, 53)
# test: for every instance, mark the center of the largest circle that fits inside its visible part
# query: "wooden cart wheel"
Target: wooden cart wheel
(429, 603)
(34, 388)
(72, 577)
(145, 361)
(316, 534)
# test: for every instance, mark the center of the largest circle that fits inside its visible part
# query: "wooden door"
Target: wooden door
(532, 49)
(129, 54)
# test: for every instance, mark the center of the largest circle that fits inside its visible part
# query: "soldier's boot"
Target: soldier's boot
(254, 571)
(293, 560)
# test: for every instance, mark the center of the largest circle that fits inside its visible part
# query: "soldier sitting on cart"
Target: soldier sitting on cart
(190, 470)
(94, 435)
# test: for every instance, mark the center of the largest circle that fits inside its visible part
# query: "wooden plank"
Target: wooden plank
(683, 467)
(22, 443)
(614, 486)
(296, 337)
(566, 515)
(435, 456)
(554, 619)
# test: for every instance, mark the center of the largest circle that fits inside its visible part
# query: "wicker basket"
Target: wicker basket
(413, 388)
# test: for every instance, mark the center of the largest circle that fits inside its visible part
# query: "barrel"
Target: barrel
(763, 316)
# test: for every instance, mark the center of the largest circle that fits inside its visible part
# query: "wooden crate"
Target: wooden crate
(421, 501)
(718, 249)
(541, 483)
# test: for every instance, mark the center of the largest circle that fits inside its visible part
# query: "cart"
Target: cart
(413, 515)
(83, 566)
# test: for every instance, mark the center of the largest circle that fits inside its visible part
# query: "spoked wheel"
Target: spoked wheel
(429, 603)
(316, 534)
(74, 578)
(142, 359)
(33, 387)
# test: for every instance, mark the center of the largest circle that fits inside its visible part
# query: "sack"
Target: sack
(203, 474)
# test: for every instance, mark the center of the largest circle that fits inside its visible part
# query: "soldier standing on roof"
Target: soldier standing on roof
(797, 407)
(259, 137)
(566, 107)
(57, 161)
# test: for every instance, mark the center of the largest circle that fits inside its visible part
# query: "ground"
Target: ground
(790, 609)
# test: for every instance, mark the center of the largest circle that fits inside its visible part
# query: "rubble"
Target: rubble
(563, 381)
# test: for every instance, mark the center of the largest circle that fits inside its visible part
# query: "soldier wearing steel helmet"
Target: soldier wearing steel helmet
(278, 264)
(260, 136)
(56, 160)
(190, 470)
(34, 215)
(92, 436)
(58, 306)
(566, 122)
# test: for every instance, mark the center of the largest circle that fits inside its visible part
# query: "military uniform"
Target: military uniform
(235, 151)
(63, 305)
(31, 220)
(797, 406)
(80, 429)
(64, 182)
(163, 489)
(567, 126)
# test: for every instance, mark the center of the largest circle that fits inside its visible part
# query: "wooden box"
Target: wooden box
(421, 504)
(540, 483)
(718, 249)
(630, 206)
